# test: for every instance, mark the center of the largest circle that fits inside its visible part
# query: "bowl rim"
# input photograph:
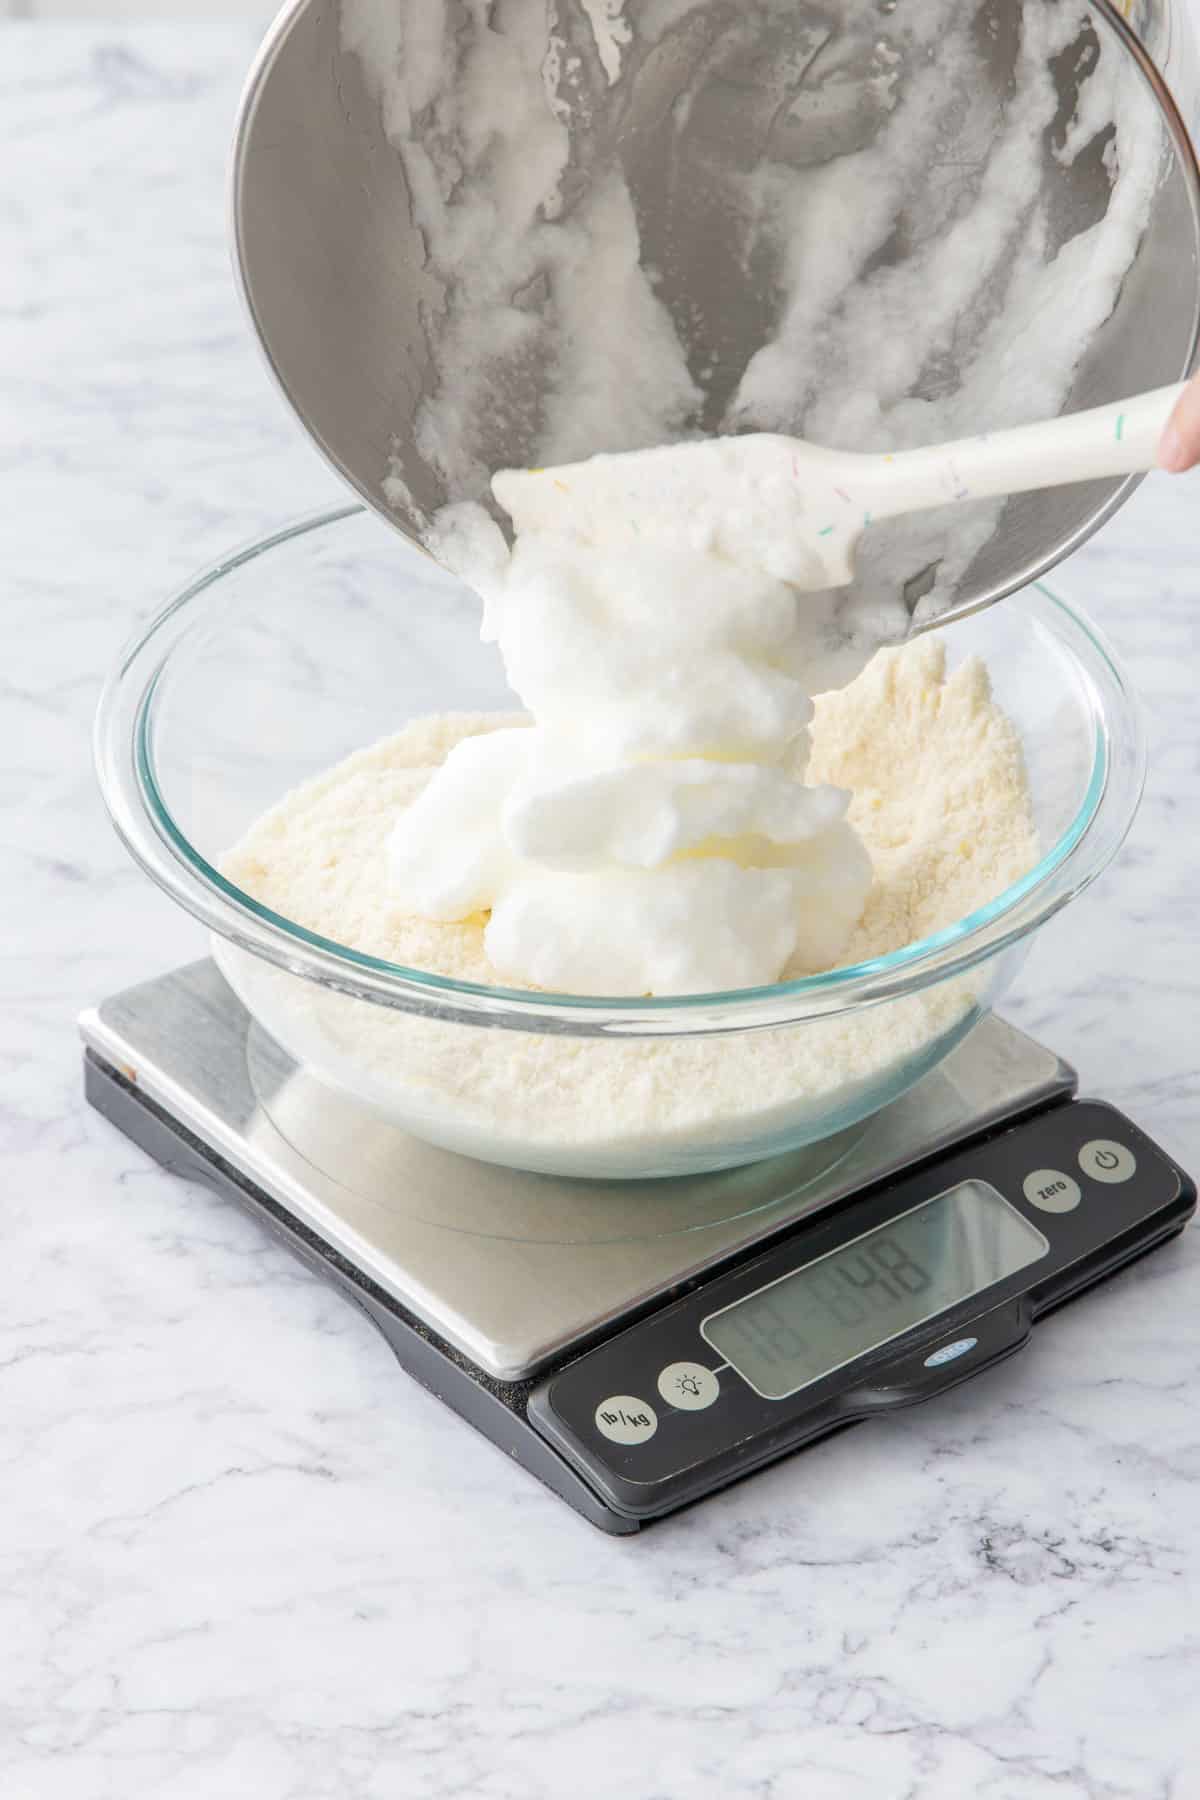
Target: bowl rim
(125, 763)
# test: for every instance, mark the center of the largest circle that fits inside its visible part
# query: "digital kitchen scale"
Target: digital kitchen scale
(639, 1345)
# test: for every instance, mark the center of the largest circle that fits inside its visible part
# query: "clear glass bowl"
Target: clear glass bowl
(293, 653)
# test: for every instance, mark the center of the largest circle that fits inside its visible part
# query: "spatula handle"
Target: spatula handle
(1119, 439)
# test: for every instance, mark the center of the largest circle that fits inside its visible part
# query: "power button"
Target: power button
(1104, 1160)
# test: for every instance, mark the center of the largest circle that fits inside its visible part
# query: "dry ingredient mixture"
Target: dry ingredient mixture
(940, 799)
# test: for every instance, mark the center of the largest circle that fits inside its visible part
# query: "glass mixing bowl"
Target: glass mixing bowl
(293, 653)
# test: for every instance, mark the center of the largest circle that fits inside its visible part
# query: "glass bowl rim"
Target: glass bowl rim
(133, 793)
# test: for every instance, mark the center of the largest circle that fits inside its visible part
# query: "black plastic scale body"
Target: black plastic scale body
(816, 1309)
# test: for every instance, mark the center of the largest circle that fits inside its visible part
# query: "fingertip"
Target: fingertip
(1172, 451)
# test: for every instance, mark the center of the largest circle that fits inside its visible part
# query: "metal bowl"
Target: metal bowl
(686, 108)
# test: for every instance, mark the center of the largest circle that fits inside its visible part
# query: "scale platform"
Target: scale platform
(637, 1345)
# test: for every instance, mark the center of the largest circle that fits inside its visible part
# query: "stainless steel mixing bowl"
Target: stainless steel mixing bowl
(354, 311)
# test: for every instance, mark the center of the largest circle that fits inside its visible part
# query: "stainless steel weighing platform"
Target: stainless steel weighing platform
(492, 1285)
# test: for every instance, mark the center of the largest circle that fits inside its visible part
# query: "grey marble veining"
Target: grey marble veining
(241, 1556)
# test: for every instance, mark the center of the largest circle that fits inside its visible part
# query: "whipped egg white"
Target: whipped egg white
(651, 831)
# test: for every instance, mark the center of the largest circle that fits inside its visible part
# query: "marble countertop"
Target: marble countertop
(241, 1554)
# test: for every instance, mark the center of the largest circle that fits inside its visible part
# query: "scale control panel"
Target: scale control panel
(881, 1302)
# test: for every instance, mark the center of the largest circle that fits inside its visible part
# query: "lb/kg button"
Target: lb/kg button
(624, 1419)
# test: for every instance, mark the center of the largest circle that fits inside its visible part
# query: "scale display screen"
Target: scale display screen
(857, 1298)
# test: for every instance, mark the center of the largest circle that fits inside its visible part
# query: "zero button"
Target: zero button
(1051, 1191)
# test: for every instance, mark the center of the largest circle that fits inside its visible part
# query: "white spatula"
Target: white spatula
(798, 511)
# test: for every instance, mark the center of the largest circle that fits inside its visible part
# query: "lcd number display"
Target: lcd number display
(859, 1297)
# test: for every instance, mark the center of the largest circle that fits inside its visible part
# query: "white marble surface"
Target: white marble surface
(258, 12)
(241, 1555)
